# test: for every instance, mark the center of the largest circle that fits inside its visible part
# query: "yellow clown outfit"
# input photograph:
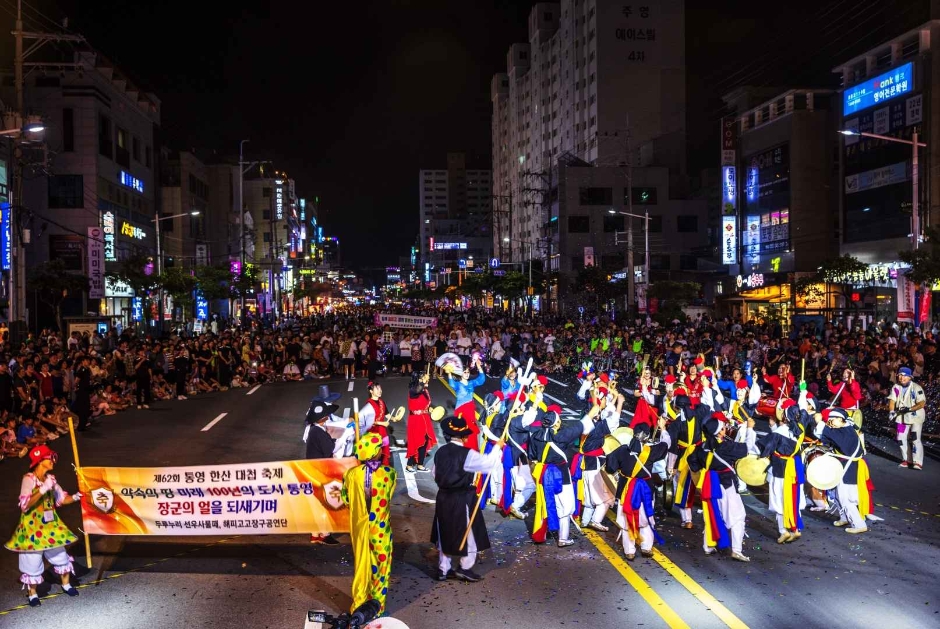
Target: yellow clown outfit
(368, 490)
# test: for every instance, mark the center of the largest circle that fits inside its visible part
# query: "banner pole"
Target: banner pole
(78, 473)
(356, 420)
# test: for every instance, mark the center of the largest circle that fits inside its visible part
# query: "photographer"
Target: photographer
(906, 407)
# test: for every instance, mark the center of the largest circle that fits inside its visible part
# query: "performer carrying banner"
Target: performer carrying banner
(40, 533)
(368, 489)
(454, 467)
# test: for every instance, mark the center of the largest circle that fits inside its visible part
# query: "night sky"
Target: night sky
(353, 98)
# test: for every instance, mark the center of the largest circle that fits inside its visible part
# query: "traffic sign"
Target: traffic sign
(494, 263)
(447, 270)
(462, 263)
(499, 273)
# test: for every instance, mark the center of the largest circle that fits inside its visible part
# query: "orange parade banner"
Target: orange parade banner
(248, 498)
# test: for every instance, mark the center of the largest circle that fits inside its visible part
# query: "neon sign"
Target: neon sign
(134, 183)
(878, 89)
(107, 220)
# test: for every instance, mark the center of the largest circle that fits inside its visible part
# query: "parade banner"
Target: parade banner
(906, 299)
(405, 321)
(250, 498)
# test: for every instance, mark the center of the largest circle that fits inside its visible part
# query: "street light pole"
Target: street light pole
(915, 176)
(631, 283)
(156, 223)
(241, 218)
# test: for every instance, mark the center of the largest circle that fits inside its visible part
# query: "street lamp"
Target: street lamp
(914, 144)
(631, 284)
(157, 222)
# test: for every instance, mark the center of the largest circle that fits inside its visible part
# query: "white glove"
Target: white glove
(47, 485)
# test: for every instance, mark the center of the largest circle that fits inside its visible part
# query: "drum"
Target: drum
(437, 413)
(767, 407)
(855, 415)
(824, 472)
(620, 437)
(817, 495)
(752, 470)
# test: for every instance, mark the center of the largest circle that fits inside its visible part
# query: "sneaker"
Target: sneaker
(646, 553)
(796, 535)
(711, 551)
(597, 526)
(146, 406)
(564, 543)
(70, 590)
(443, 576)
(519, 515)
(918, 466)
(410, 468)
(421, 468)
(467, 575)
(840, 523)
(688, 525)
(630, 556)
(784, 538)
(34, 601)
(903, 464)
(740, 557)
(855, 531)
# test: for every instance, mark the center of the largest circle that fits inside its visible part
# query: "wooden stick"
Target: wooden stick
(476, 509)
(81, 480)
(803, 371)
(356, 422)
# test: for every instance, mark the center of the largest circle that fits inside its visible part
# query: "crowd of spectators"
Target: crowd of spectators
(47, 378)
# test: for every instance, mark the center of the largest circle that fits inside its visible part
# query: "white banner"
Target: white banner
(405, 321)
(905, 299)
(95, 263)
(729, 239)
(589, 256)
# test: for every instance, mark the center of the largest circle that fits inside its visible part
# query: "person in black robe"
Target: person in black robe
(453, 470)
(82, 404)
(319, 443)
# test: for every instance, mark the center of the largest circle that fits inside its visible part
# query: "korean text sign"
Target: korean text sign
(255, 498)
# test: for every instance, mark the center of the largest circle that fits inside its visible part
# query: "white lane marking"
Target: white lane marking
(411, 483)
(561, 384)
(350, 387)
(346, 413)
(214, 422)
(555, 399)
(256, 387)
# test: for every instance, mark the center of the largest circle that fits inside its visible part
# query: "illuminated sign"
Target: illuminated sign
(6, 246)
(729, 240)
(279, 199)
(752, 183)
(132, 232)
(729, 189)
(235, 267)
(754, 280)
(202, 307)
(134, 183)
(751, 239)
(878, 89)
(107, 221)
(303, 211)
(137, 309)
(447, 246)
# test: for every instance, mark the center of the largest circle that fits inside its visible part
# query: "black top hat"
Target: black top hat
(455, 427)
(325, 396)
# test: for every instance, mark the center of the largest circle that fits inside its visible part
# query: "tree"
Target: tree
(244, 283)
(595, 281)
(53, 283)
(311, 290)
(924, 261)
(672, 298)
(179, 284)
(835, 272)
(133, 272)
(214, 282)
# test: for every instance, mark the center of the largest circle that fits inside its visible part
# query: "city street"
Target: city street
(886, 577)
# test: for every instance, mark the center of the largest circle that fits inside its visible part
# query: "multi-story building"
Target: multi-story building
(455, 216)
(592, 100)
(779, 194)
(101, 133)
(185, 196)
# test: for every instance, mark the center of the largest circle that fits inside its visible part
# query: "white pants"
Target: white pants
(444, 561)
(732, 512)
(917, 454)
(32, 567)
(496, 482)
(564, 506)
(847, 497)
(523, 485)
(775, 499)
(645, 532)
(597, 497)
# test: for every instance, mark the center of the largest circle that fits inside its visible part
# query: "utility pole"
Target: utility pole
(631, 280)
(241, 219)
(17, 309)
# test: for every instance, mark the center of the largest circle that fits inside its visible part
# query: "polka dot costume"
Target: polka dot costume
(370, 522)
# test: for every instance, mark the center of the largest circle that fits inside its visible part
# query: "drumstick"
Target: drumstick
(356, 418)
(803, 371)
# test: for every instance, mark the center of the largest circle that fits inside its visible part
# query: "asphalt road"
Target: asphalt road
(886, 577)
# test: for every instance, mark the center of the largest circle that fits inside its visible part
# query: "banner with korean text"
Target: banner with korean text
(404, 321)
(249, 498)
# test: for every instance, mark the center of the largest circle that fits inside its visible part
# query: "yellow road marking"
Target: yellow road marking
(884, 506)
(698, 591)
(120, 574)
(653, 599)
